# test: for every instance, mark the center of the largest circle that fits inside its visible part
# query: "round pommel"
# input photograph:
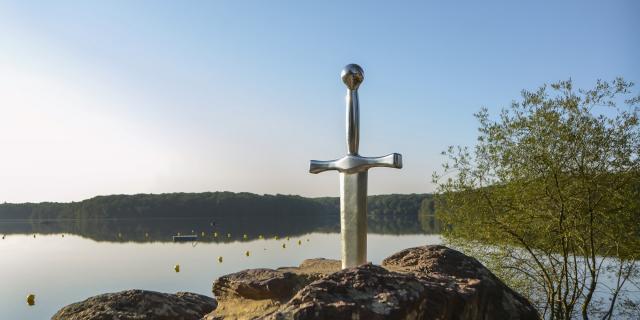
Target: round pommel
(352, 75)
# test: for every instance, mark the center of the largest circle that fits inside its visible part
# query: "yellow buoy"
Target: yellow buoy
(192, 232)
(63, 235)
(119, 235)
(215, 234)
(228, 235)
(34, 235)
(287, 238)
(284, 245)
(307, 240)
(202, 234)
(31, 299)
(276, 237)
(177, 268)
(245, 236)
(247, 253)
(3, 237)
(220, 259)
(178, 233)
(260, 236)
(146, 235)
(299, 242)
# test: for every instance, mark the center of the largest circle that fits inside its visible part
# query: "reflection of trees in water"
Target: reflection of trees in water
(163, 229)
(154, 218)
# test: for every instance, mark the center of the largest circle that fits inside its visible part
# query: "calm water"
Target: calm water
(62, 270)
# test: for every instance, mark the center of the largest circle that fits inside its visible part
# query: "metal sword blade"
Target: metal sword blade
(353, 218)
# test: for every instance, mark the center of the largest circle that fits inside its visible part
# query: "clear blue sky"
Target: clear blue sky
(107, 97)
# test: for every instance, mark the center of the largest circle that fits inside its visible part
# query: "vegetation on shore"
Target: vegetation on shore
(552, 192)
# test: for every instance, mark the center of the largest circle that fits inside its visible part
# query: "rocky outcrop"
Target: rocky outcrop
(366, 292)
(430, 282)
(458, 286)
(139, 305)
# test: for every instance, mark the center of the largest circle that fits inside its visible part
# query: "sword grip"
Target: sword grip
(352, 75)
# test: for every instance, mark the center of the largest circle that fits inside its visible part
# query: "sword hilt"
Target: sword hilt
(352, 75)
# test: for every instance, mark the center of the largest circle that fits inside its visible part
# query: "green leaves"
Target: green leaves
(557, 175)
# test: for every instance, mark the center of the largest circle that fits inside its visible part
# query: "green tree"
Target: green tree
(549, 198)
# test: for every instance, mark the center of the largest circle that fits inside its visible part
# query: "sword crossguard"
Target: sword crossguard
(355, 163)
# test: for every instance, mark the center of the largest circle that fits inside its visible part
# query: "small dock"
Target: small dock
(185, 238)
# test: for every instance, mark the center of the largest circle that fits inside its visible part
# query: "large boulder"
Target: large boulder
(139, 305)
(430, 282)
(458, 286)
(366, 292)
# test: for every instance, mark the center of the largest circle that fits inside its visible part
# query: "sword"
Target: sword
(353, 170)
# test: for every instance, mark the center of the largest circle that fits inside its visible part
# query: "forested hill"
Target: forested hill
(213, 205)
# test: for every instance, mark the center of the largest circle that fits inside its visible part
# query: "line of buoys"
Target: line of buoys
(176, 268)
(31, 299)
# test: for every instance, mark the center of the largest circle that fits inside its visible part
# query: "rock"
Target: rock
(258, 284)
(315, 268)
(254, 292)
(430, 282)
(139, 305)
(365, 292)
(458, 286)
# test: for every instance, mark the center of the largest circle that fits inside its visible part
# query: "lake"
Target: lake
(69, 261)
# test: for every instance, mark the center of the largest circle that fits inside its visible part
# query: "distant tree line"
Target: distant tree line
(146, 216)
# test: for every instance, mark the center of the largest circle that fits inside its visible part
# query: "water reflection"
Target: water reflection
(221, 229)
